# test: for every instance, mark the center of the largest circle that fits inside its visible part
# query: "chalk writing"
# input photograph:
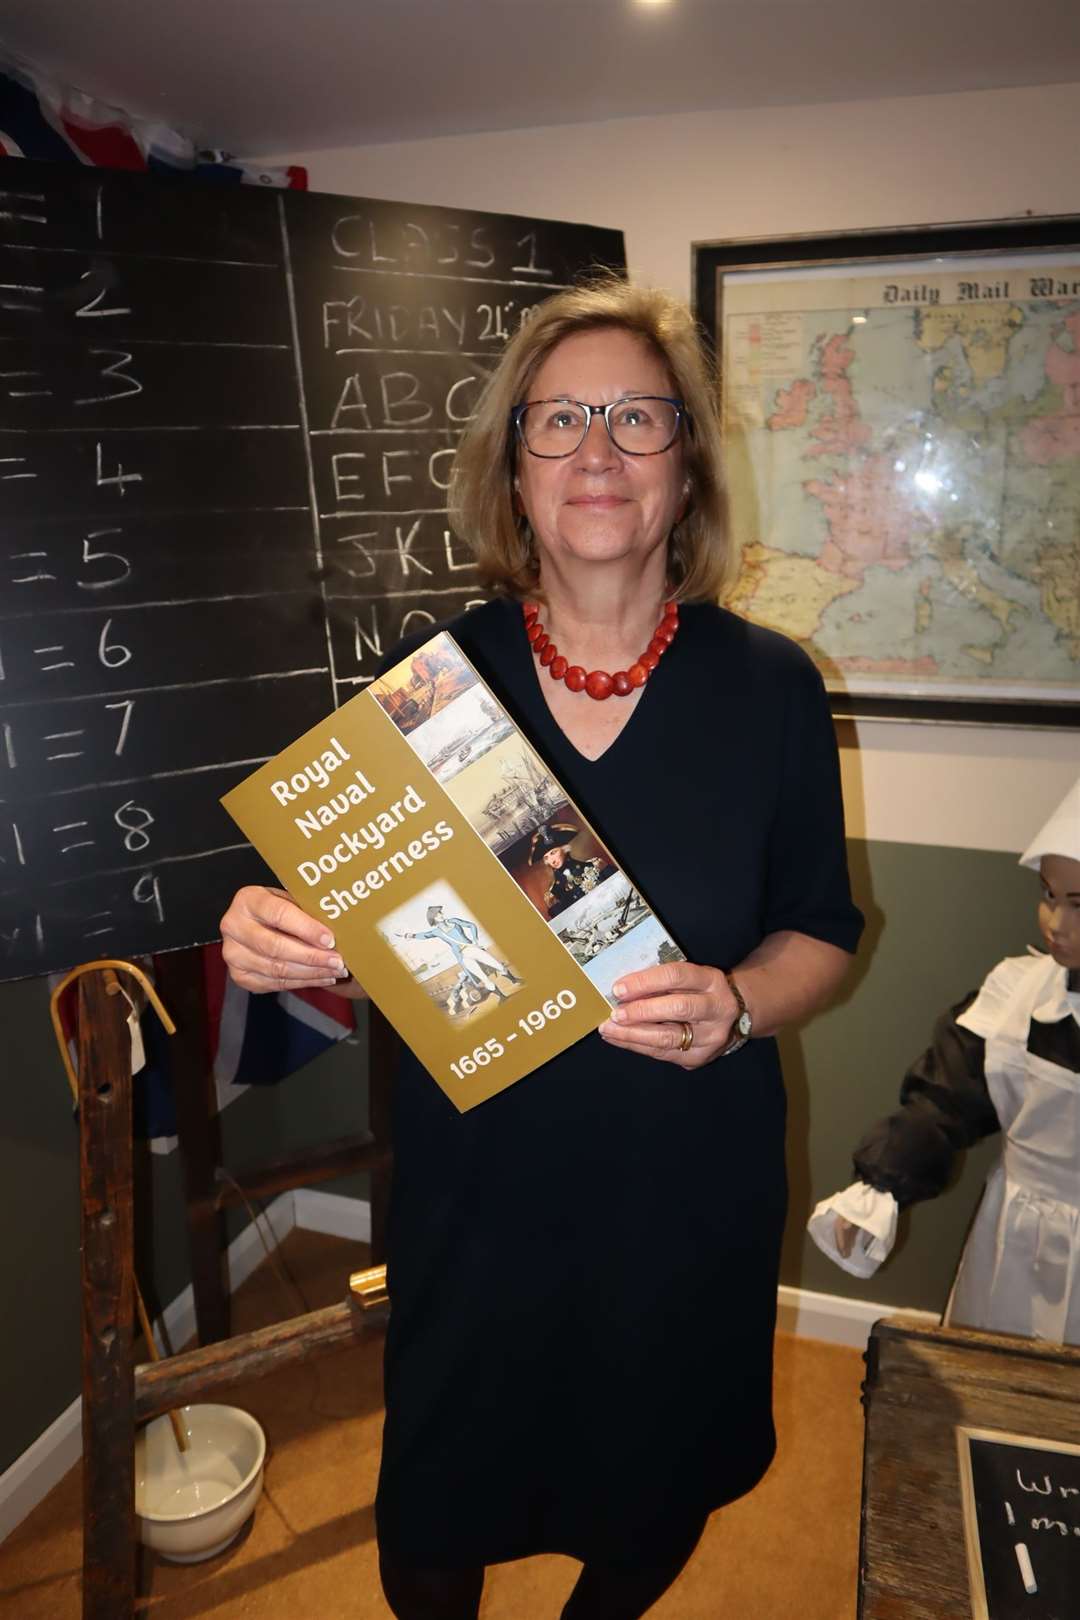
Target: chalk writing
(227, 428)
(1022, 1524)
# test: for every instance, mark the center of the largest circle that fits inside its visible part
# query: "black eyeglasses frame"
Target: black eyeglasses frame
(681, 415)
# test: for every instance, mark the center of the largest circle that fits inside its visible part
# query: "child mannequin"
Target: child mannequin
(1005, 1058)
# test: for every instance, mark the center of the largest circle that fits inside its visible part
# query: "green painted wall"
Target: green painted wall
(39, 1200)
(937, 921)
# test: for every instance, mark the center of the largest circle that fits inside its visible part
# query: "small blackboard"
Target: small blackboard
(227, 419)
(1021, 1525)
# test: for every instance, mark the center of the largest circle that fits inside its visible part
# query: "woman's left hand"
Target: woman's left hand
(659, 1004)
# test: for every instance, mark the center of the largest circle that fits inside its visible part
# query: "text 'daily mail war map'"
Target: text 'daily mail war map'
(904, 454)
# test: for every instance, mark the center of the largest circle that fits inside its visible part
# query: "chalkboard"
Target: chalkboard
(1022, 1525)
(226, 426)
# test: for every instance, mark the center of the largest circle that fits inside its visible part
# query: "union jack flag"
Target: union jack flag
(250, 1041)
(55, 123)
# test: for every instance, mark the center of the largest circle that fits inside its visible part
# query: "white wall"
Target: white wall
(667, 182)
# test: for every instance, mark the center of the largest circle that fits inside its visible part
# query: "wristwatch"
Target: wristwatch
(743, 1025)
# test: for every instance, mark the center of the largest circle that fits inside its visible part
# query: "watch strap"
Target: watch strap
(742, 1023)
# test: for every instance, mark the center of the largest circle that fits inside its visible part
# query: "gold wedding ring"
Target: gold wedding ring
(686, 1040)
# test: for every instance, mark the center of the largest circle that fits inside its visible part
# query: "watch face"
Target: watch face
(743, 1024)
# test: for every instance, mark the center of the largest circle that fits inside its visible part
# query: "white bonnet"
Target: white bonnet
(1061, 833)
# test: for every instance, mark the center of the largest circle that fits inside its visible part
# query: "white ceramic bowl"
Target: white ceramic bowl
(190, 1504)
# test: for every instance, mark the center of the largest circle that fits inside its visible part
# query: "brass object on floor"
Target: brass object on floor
(368, 1288)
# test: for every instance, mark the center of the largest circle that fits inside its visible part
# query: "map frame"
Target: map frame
(863, 254)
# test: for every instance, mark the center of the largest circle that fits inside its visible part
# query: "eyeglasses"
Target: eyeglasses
(638, 425)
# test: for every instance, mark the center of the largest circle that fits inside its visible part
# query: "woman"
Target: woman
(583, 1270)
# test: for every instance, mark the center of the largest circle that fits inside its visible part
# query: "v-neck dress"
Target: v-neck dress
(583, 1269)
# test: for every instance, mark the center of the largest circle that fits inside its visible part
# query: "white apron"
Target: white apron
(1020, 1269)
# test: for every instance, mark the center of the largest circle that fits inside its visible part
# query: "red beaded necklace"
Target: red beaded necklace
(598, 683)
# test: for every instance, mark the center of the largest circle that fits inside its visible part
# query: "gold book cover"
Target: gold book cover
(465, 891)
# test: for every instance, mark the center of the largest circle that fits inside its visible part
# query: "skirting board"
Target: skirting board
(43, 1465)
(835, 1319)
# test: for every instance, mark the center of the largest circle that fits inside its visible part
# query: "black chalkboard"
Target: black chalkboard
(226, 424)
(1022, 1519)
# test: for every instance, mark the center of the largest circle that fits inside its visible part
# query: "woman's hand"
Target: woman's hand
(787, 977)
(657, 1005)
(270, 944)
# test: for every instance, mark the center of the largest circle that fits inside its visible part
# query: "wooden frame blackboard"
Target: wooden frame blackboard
(926, 1386)
(226, 424)
(1021, 1496)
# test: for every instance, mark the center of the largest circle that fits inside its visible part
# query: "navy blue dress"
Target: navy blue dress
(583, 1269)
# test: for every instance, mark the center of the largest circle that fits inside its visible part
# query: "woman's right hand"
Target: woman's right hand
(270, 944)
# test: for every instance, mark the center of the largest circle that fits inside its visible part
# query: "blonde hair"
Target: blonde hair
(702, 562)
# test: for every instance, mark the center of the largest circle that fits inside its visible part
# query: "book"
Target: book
(466, 892)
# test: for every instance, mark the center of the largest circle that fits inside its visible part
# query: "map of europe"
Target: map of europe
(905, 472)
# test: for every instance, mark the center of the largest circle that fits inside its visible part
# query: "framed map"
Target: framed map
(901, 415)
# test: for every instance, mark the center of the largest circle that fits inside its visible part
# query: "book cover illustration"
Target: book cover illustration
(466, 892)
(437, 938)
